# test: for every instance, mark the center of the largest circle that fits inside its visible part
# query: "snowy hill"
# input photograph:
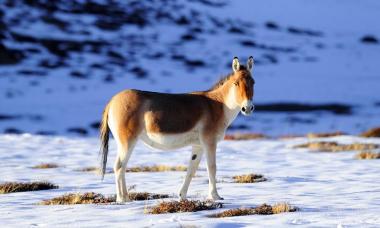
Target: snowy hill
(316, 71)
(331, 189)
(316, 62)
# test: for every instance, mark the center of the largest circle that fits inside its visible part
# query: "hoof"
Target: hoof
(215, 197)
(123, 200)
(182, 196)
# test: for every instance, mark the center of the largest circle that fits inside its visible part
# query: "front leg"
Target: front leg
(196, 157)
(210, 149)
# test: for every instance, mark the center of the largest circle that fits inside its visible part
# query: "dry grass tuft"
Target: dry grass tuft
(263, 209)
(283, 208)
(77, 198)
(96, 198)
(10, 187)
(367, 155)
(183, 206)
(289, 136)
(234, 212)
(138, 196)
(245, 136)
(89, 169)
(156, 168)
(46, 166)
(153, 168)
(324, 135)
(374, 132)
(335, 147)
(249, 178)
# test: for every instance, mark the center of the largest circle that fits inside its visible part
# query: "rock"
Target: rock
(307, 32)
(77, 74)
(373, 132)
(12, 130)
(95, 125)
(78, 130)
(271, 25)
(10, 56)
(139, 72)
(369, 39)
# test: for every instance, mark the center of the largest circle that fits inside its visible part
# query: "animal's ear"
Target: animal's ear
(235, 64)
(250, 63)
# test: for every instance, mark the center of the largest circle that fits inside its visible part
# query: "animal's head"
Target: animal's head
(243, 85)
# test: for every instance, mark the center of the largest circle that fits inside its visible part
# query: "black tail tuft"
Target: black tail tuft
(104, 138)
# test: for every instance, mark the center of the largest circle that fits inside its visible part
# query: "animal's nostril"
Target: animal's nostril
(243, 109)
(251, 108)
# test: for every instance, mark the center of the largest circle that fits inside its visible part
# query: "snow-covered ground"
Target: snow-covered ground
(77, 55)
(331, 189)
(61, 61)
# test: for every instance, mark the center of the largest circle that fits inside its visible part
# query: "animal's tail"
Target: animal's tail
(104, 137)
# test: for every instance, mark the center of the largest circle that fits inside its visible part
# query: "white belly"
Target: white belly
(170, 141)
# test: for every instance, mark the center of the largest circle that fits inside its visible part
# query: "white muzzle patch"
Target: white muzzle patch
(247, 108)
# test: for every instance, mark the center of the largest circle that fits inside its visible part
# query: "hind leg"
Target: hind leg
(124, 152)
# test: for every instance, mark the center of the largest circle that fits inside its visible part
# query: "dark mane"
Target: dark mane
(225, 78)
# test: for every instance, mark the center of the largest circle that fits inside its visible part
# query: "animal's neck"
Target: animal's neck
(226, 95)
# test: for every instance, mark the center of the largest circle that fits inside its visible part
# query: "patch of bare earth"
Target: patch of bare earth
(367, 155)
(374, 132)
(96, 198)
(183, 206)
(46, 166)
(249, 178)
(156, 168)
(89, 169)
(336, 147)
(153, 168)
(263, 209)
(10, 187)
(245, 136)
(289, 136)
(138, 196)
(324, 135)
(77, 198)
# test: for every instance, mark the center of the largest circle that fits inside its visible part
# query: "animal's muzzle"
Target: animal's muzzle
(248, 109)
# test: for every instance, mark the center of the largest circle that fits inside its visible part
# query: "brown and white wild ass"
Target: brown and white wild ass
(169, 121)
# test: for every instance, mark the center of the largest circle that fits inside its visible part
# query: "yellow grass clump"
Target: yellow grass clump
(244, 136)
(156, 168)
(96, 198)
(46, 166)
(263, 209)
(374, 132)
(290, 136)
(249, 178)
(324, 135)
(89, 169)
(77, 198)
(234, 212)
(153, 168)
(10, 187)
(336, 147)
(283, 208)
(139, 196)
(183, 206)
(367, 155)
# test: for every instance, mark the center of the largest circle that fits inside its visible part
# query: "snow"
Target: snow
(331, 189)
(332, 68)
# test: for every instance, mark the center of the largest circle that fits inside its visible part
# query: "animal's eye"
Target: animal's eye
(236, 83)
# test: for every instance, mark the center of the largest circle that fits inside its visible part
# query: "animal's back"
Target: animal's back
(158, 112)
(172, 113)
